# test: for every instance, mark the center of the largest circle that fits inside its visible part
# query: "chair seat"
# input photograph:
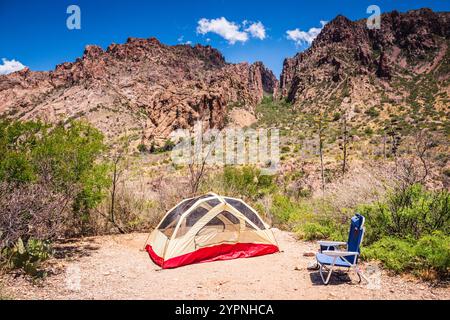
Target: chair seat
(323, 259)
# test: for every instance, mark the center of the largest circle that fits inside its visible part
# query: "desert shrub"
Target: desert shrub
(429, 253)
(372, 112)
(409, 231)
(288, 212)
(26, 256)
(247, 182)
(50, 179)
(17, 139)
(15, 167)
(285, 149)
(433, 252)
(31, 211)
(368, 131)
(322, 227)
(131, 213)
(395, 254)
(62, 157)
(411, 212)
(336, 116)
(313, 231)
(66, 158)
(167, 146)
(309, 219)
(142, 148)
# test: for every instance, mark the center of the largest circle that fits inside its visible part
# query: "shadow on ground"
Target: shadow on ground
(337, 278)
(74, 249)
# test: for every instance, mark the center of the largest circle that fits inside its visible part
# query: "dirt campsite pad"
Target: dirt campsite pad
(115, 267)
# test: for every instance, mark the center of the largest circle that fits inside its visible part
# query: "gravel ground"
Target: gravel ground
(115, 267)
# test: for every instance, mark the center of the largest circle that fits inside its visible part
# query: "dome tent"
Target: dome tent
(209, 228)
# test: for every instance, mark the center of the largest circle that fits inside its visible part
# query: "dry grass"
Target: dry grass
(363, 183)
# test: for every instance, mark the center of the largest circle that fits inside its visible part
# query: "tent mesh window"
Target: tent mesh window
(213, 202)
(248, 226)
(187, 223)
(249, 214)
(223, 228)
(169, 223)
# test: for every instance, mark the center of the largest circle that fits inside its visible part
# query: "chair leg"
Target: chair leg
(361, 275)
(327, 279)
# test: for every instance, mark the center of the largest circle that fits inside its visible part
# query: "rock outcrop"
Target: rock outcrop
(351, 67)
(142, 88)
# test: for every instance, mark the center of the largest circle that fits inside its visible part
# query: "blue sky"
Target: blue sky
(34, 33)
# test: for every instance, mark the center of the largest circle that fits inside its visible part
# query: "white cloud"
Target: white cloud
(257, 30)
(228, 30)
(181, 40)
(9, 66)
(304, 37)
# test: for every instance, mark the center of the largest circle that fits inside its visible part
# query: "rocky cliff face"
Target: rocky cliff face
(350, 68)
(142, 88)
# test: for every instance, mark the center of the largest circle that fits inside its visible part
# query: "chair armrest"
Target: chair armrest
(335, 253)
(331, 243)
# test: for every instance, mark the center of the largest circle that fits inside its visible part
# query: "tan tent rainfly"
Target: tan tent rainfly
(209, 228)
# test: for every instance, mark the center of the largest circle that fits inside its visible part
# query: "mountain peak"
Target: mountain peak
(348, 65)
(141, 87)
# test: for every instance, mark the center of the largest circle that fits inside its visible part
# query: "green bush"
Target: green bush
(285, 149)
(336, 116)
(372, 112)
(247, 182)
(395, 254)
(168, 146)
(17, 140)
(409, 231)
(322, 228)
(434, 252)
(142, 148)
(287, 212)
(429, 253)
(314, 231)
(43, 162)
(412, 212)
(368, 131)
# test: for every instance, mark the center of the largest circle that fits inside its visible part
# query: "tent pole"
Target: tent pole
(146, 240)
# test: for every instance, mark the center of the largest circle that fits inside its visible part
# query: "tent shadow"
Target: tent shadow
(339, 277)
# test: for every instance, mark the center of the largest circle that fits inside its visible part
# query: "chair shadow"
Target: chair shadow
(339, 277)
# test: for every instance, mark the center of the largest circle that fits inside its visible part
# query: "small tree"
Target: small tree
(320, 122)
(393, 132)
(198, 165)
(414, 166)
(344, 143)
(119, 165)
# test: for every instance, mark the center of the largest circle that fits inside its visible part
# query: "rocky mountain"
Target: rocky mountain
(400, 70)
(146, 89)
(142, 88)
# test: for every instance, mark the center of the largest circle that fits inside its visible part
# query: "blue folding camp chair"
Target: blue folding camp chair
(330, 256)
